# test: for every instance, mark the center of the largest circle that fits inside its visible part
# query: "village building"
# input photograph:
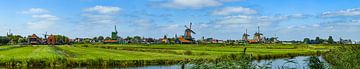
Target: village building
(34, 40)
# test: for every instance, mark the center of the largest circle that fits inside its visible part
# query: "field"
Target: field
(139, 55)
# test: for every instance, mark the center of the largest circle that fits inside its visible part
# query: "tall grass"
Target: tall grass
(345, 57)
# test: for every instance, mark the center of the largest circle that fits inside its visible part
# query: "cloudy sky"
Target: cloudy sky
(221, 19)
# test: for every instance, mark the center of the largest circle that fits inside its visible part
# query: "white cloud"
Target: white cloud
(104, 9)
(193, 4)
(46, 17)
(35, 11)
(99, 19)
(144, 22)
(103, 15)
(250, 20)
(347, 12)
(234, 10)
(42, 21)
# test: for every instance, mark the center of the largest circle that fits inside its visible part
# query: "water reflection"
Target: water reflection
(300, 62)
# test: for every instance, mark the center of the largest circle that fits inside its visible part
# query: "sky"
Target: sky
(220, 19)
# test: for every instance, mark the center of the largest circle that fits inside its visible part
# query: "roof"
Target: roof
(34, 36)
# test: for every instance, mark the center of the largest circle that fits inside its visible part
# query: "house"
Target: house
(34, 40)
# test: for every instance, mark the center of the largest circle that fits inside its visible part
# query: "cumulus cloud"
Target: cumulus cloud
(104, 9)
(40, 18)
(35, 11)
(234, 10)
(102, 15)
(144, 23)
(193, 4)
(346, 12)
(249, 20)
(99, 19)
(42, 21)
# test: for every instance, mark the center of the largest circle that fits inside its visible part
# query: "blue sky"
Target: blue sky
(221, 19)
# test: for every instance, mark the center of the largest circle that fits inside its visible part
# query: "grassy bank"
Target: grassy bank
(125, 55)
(345, 57)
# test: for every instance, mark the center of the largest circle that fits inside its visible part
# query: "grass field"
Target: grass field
(138, 55)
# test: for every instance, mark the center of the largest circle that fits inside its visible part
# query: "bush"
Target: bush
(187, 52)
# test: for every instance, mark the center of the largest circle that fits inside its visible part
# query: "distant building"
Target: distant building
(257, 37)
(34, 40)
(345, 41)
(51, 40)
(356, 42)
(165, 39)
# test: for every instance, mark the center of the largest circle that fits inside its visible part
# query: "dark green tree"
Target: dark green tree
(22, 40)
(95, 39)
(4, 40)
(101, 38)
(306, 40)
(107, 38)
(330, 40)
(14, 38)
(317, 39)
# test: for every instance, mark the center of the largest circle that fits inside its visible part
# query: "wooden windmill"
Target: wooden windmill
(187, 38)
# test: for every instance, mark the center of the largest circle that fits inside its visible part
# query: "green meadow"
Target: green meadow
(127, 55)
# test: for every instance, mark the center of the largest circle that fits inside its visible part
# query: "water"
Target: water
(299, 62)
(157, 67)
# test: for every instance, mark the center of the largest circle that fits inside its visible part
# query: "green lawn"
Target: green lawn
(134, 54)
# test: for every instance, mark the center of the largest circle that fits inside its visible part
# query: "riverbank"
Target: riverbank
(129, 55)
(345, 57)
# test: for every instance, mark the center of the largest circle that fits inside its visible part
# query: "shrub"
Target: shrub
(187, 52)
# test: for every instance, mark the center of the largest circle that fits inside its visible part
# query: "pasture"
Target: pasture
(126, 55)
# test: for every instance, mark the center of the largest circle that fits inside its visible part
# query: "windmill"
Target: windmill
(188, 32)
(45, 35)
(245, 36)
(114, 34)
(45, 38)
(187, 38)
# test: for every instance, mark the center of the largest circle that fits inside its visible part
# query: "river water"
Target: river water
(299, 62)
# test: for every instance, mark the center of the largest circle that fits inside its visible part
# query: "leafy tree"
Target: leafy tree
(306, 40)
(129, 38)
(101, 38)
(14, 38)
(60, 39)
(330, 40)
(22, 40)
(317, 39)
(107, 38)
(4, 40)
(95, 39)
(137, 37)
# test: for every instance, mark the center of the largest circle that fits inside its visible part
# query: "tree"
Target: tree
(14, 38)
(330, 40)
(95, 39)
(306, 40)
(317, 39)
(101, 38)
(22, 40)
(4, 40)
(107, 38)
